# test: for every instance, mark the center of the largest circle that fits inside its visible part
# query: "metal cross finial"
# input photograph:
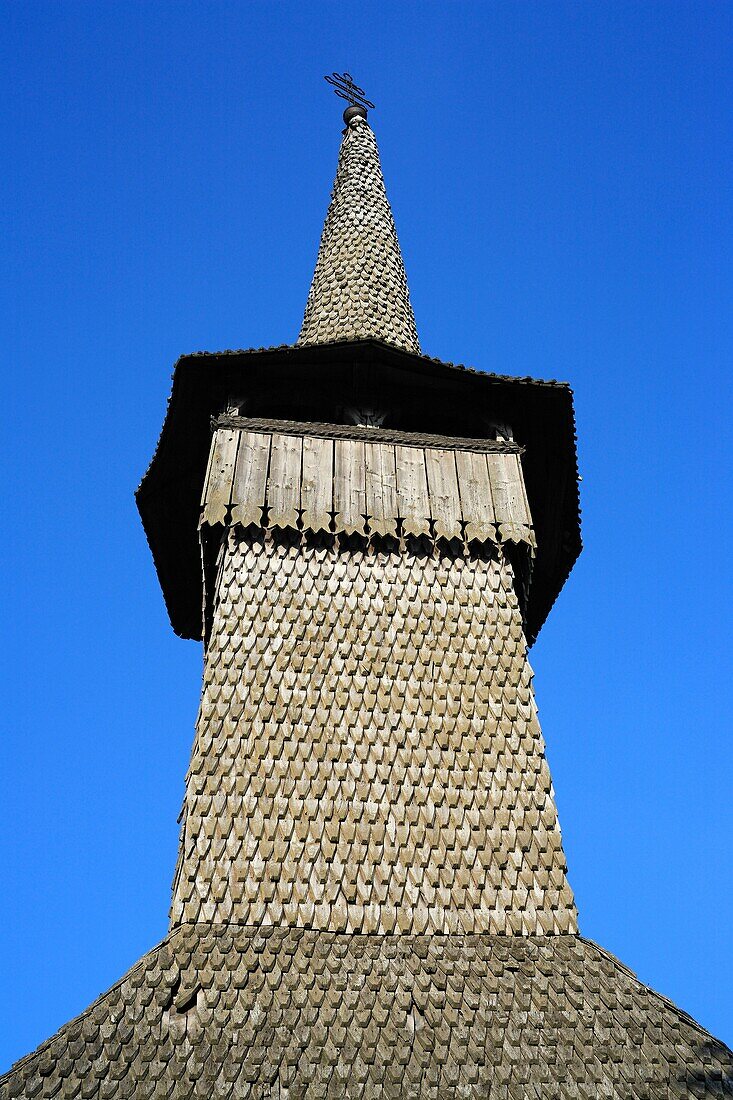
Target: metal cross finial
(345, 87)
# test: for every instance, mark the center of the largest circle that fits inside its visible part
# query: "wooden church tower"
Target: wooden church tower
(370, 898)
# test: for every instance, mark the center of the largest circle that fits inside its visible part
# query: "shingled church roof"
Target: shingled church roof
(225, 1012)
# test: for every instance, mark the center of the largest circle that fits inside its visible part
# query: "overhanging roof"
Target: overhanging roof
(328, 382)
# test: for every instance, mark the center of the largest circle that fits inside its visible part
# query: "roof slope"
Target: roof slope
(359, 288)
(234, 1011)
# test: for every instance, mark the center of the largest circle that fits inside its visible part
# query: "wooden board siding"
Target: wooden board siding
(249, 492)
(355, 486)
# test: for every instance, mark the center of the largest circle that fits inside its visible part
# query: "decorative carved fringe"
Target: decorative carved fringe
(354, 486)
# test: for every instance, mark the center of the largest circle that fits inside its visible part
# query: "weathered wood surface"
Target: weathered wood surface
(349, 487)
(369, 434)
(477, 504)
(413, 498)
(220, 474)
(376, 710)
(172, 1027)
(250, 479)
(283, 482)
(381, 488)
(510, 499)
(316, 488)
(445, 498)
(356, 486)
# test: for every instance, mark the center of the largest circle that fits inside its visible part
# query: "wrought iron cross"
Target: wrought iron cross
(344, 86)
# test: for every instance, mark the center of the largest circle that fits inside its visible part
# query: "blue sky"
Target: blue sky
(560, 178)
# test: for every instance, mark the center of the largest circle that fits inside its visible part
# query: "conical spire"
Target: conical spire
(359, 288)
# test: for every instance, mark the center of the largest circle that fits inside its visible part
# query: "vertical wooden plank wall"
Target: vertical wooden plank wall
(304, 481)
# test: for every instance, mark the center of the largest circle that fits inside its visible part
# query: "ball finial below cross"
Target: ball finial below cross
(344, 86)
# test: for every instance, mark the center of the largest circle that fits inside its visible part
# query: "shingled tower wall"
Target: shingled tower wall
(368, 757)
(370, 898)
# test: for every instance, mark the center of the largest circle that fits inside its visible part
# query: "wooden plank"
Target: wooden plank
(523, 484)
(205, 490)
(510, 500)
(445, 501)
(221, 474)
(250, 478)
(413, 499)
(474, 487)
(506, 488)
(316, 486)
(283, 481)
(349, 485)
(381, 488)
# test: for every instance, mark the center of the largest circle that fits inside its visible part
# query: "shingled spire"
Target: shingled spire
(359, 288)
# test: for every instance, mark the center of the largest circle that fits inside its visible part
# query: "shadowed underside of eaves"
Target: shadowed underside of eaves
(234, 1011)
